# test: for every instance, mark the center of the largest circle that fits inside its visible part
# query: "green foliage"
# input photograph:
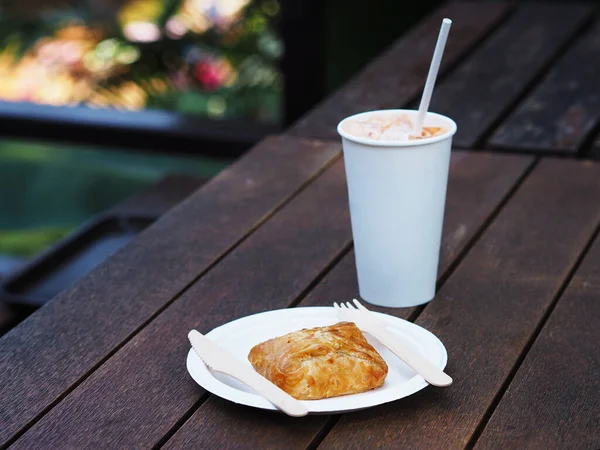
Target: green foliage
(238, 63)
(27, 243)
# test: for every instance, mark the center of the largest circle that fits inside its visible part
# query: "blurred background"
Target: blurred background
(100, 99)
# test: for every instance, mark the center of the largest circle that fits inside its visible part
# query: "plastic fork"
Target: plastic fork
(368, 322)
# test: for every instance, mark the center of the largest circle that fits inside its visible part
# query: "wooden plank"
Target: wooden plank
(486, 312)
(467, 210)
(563, 110)
(160, 197)
(61, 343)
(266, 271)
(487, 84)
(226, 425)
(397, 76)
(554, 401)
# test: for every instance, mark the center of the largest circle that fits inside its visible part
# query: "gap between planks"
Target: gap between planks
(530, 87)
(538, 329)
(183, 419)
(470, 49)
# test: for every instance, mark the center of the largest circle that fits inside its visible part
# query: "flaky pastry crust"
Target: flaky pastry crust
(321, 362)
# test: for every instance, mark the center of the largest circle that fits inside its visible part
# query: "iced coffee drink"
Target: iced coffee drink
(397, 191)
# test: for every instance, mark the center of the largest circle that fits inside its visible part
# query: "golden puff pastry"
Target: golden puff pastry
(322, 362)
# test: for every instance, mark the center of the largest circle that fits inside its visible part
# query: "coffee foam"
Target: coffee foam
(392, 127)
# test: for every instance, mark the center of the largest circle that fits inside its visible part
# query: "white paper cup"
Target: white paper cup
(397, 193)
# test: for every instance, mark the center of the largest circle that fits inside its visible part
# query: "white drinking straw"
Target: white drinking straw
(432, 75)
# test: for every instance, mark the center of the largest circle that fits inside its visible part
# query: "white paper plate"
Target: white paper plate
(241, 335)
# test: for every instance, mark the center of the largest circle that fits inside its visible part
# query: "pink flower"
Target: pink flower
(211, 74)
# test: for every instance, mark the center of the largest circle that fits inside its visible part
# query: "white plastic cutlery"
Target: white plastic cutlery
(368, 322)
(220, 360)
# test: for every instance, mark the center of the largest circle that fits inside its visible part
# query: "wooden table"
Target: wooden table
(518, 307)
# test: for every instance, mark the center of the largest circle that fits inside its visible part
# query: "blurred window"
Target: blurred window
(214, 58)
